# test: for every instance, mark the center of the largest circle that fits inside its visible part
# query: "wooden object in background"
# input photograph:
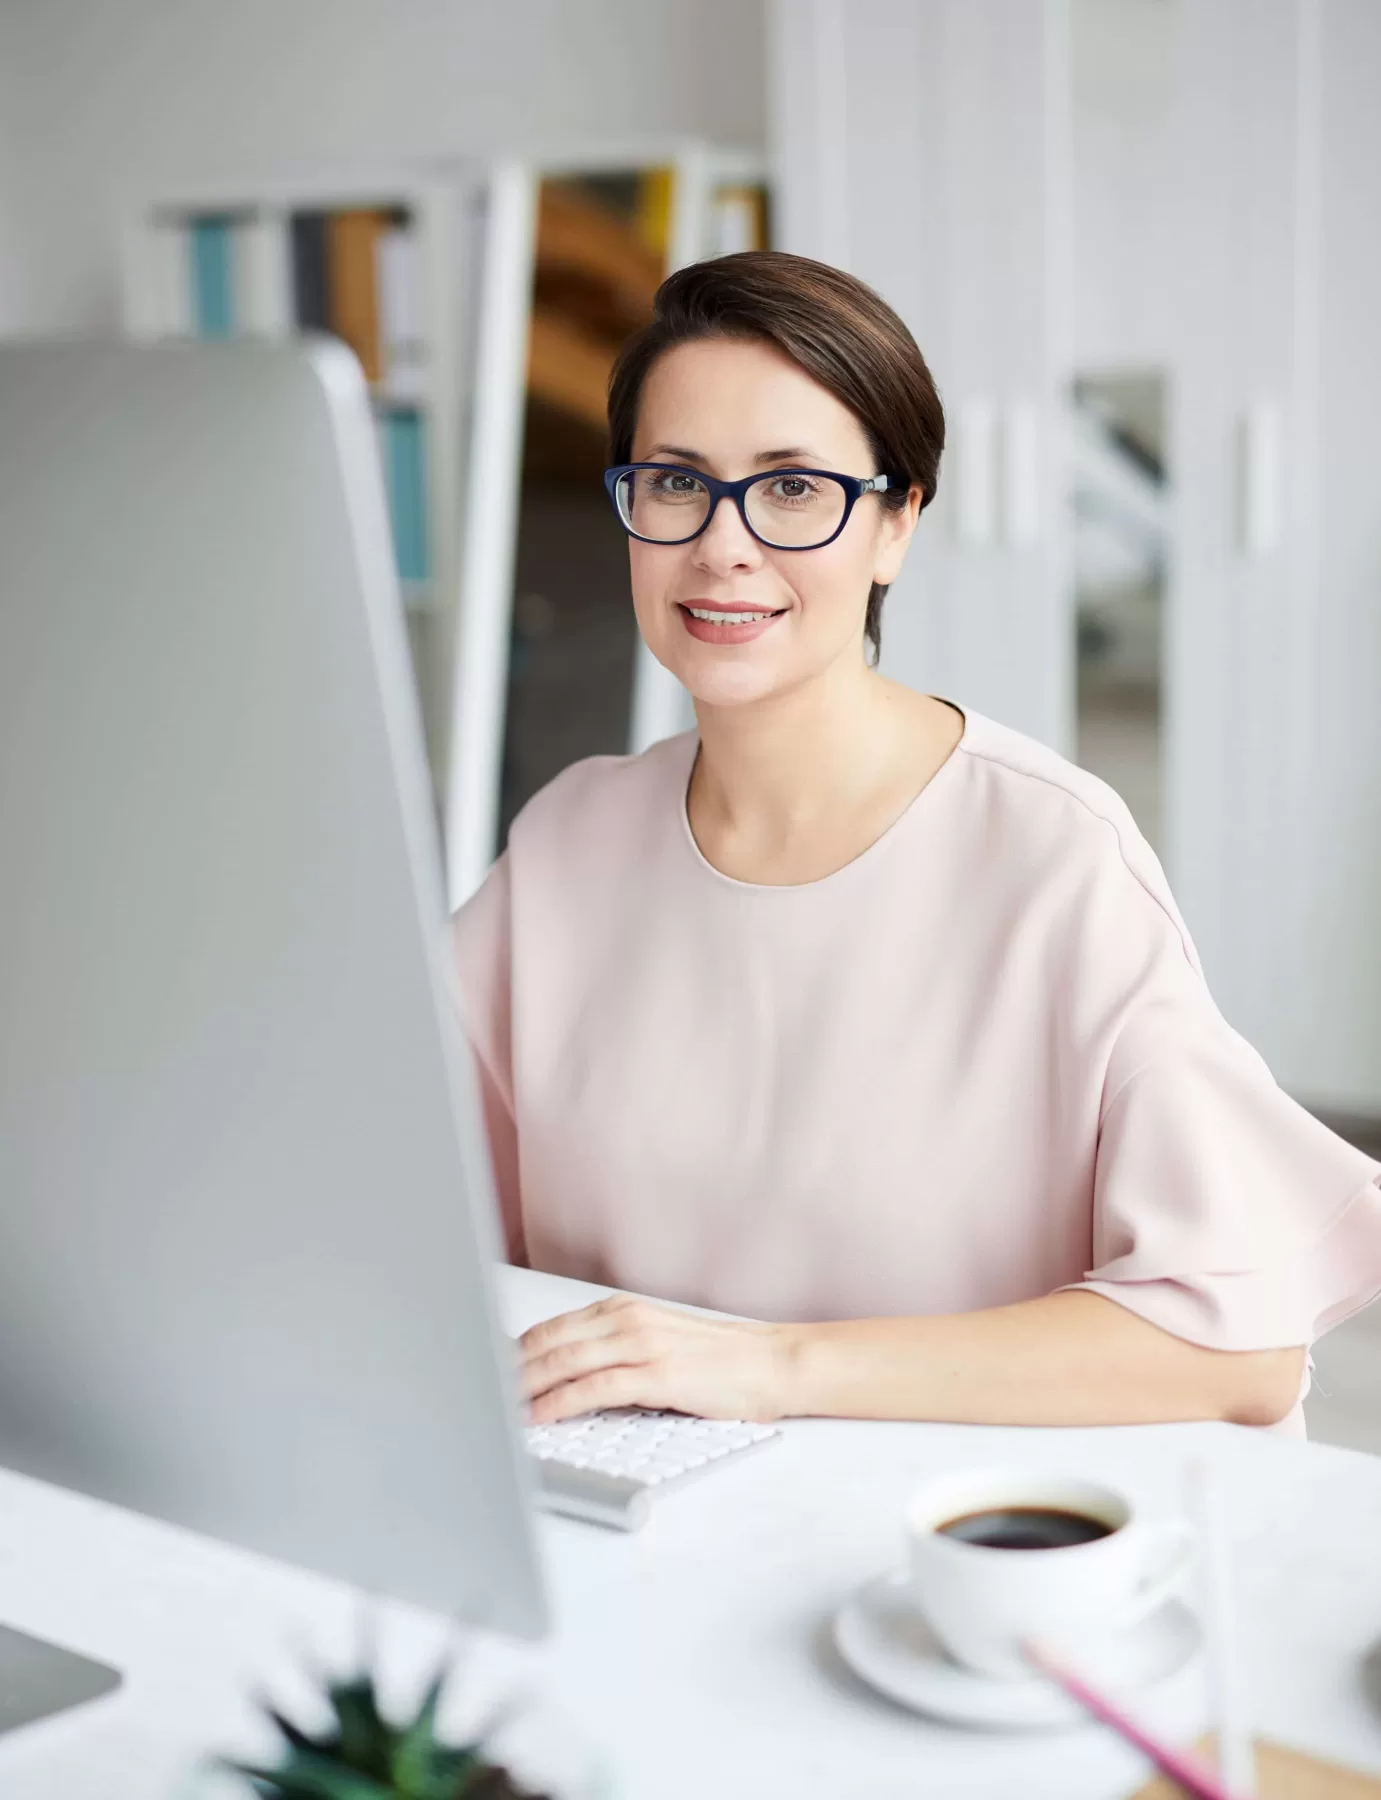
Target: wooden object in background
(1285, 1775)
(594, 280)
(580, 241)
(568, 367)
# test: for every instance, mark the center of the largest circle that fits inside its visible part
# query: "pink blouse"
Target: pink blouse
(977, 1064)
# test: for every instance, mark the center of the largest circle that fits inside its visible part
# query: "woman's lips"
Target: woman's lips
(717, 628)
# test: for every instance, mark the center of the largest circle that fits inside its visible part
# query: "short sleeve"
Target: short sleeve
(481, 939)
(1223, 1211)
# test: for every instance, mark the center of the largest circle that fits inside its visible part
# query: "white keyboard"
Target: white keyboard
(606, 1466)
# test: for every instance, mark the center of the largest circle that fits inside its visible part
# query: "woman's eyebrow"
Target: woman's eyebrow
(792, 453)
(677, 450)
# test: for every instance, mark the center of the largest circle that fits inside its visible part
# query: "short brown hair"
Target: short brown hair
(834, 327)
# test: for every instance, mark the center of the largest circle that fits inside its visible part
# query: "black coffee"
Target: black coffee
(1025, 1528)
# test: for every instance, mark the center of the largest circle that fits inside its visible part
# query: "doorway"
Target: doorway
(1121, 535)
(600, 255)
(604, 242)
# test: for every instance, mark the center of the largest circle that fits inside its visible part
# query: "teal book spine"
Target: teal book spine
(405, 473)
(213, 278)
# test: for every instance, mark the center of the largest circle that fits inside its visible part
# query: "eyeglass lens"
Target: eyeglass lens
(790, 511)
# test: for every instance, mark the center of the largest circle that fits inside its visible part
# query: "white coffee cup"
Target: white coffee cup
(984, 1602)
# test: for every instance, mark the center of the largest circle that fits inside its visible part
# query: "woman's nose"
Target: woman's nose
(726, 542)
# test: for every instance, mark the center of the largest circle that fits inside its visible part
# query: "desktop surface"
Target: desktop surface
(696, 1654)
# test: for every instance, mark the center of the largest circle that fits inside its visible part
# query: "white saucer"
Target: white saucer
(884, 1639)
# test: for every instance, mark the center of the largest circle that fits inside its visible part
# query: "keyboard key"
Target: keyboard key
(606, 1465)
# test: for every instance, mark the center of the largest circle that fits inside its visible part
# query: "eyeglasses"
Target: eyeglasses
(788, 509)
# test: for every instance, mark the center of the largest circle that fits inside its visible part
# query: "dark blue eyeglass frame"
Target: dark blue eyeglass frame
(853, 485)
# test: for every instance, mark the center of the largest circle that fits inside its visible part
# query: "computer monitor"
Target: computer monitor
(246, 1212)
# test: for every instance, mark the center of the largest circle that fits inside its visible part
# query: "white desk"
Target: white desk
(695, 1651)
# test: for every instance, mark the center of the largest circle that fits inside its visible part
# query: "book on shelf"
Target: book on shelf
(402, 315)
(240, 283)
(352, 294)
(213, 278)
(307, 231)
(261, 276)
(402, 446)
(358, 275)
(656, 195)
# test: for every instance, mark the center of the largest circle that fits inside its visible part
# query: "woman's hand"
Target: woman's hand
(628, 1352)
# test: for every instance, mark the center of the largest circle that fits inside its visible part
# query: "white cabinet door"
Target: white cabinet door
(1233, 290)
(1273, 727)
(1340, 1043)
(923, 145)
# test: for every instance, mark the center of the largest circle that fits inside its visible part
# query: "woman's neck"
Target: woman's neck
(789, 788)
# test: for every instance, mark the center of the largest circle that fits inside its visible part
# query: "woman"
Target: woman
(853, 1012)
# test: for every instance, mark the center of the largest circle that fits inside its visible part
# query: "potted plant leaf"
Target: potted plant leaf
(362, 1755)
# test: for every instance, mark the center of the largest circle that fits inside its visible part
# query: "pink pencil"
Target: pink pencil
(1193, 1776)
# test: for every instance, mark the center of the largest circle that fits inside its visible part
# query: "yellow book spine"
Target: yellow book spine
(352, 284)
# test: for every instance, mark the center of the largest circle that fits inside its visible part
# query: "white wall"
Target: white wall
(1236, 638)
(1122, 101)
(1342, 626)
(152, 93)
(10, 270)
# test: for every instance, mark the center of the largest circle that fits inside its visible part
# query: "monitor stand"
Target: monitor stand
(37, 1679)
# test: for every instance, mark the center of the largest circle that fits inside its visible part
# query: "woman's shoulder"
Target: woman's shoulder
(573, 846)
(1051, 813)
(1045, 787)
(605, 804)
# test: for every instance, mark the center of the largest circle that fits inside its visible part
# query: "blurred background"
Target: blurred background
(1137, 240)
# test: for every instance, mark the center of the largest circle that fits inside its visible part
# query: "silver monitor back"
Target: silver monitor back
(246, 1214)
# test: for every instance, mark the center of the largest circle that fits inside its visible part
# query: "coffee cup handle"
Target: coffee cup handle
(1170, 1548)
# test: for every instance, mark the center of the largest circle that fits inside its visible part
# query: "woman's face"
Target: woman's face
(733, 408)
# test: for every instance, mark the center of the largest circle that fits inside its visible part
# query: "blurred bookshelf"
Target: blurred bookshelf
(359, 263)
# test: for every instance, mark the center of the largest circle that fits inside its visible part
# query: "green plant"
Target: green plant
(363, 1756)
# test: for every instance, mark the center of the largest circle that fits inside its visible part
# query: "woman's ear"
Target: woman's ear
(894, 534)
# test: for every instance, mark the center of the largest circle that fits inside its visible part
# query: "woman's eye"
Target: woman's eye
(792, 487)
(674, 486)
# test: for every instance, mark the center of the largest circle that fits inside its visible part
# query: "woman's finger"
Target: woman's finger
(592, 1393)
(579, 1356)
(599, 1320)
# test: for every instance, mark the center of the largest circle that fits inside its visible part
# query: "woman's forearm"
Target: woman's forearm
(1067, 1359)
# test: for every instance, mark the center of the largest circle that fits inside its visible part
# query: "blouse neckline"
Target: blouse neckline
(870, 852)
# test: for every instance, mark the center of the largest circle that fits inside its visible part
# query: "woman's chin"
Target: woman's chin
(731, 684)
